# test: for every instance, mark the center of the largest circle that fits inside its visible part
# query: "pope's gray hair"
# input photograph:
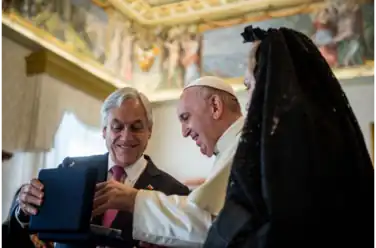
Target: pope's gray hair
(119, 96)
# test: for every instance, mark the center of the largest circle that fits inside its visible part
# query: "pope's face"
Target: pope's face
(127, 132)
(198, 121)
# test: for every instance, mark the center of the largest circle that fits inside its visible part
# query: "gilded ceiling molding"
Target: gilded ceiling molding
(102, 4)
(172, 12)
(266, 15)
(260, 16)
(78, 65)
(68, 73)
(191, 11)
(57, 47)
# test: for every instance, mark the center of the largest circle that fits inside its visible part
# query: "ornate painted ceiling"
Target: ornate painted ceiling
(98, 38)
(169, 12)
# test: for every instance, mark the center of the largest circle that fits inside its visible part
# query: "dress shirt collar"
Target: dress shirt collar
(133, 171)
(229, 136)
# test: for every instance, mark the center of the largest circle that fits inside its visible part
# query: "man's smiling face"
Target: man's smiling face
(127, 132)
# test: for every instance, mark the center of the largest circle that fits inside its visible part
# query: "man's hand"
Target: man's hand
(31, 195)
(113, 195)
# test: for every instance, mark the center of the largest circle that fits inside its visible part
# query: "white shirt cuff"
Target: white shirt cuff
(17, 214)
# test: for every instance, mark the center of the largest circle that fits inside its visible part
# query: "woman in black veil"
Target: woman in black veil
(302, 175)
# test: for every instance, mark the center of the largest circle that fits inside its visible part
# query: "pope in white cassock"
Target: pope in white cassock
(210, 114)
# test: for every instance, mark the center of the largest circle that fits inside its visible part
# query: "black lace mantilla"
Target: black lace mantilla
(252, 34)
(302, 175)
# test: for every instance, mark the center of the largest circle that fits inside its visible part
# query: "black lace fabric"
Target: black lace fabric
(302, 171)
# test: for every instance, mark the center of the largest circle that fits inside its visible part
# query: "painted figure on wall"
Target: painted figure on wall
(114, 43)
(171, 69)
(126, 56)
(145, 49)
(96, 31)
(114, 49)
(368, 31)
(191, 55)
(106, 36)
(339, 33)
(342, 29)
(62, 19)
(180, 57)
(324, 23)
(349, 31)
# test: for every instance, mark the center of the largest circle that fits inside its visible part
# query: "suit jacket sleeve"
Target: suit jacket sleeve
(14, 235)
(14, 224)
(169, 220)
(4, 235)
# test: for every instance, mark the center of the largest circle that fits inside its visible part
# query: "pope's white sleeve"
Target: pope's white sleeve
(169, 220)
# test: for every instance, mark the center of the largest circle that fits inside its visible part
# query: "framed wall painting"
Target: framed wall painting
(342, 30)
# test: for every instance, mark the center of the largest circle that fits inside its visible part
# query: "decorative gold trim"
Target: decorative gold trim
(260, 16)
(267, 14)
(195, 11)
(340, 73)
(67, 72)
(102, 4)
(48, 41)
(201, 11)
(238, 86)
(82, 66)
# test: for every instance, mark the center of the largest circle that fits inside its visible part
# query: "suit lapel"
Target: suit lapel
(147, 177)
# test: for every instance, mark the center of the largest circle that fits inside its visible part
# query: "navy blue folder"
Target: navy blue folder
(68, 200)
(67, 206)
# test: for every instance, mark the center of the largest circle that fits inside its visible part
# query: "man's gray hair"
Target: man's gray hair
(119, 96)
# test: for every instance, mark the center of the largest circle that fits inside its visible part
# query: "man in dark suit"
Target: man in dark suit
(127, 125)
(9, 237)
(15, 237)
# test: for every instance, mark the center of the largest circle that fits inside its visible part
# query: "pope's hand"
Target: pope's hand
(113, 195)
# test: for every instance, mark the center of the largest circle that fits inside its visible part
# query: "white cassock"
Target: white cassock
(184, 221)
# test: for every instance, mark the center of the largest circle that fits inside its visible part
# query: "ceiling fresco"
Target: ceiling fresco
(158, 46)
